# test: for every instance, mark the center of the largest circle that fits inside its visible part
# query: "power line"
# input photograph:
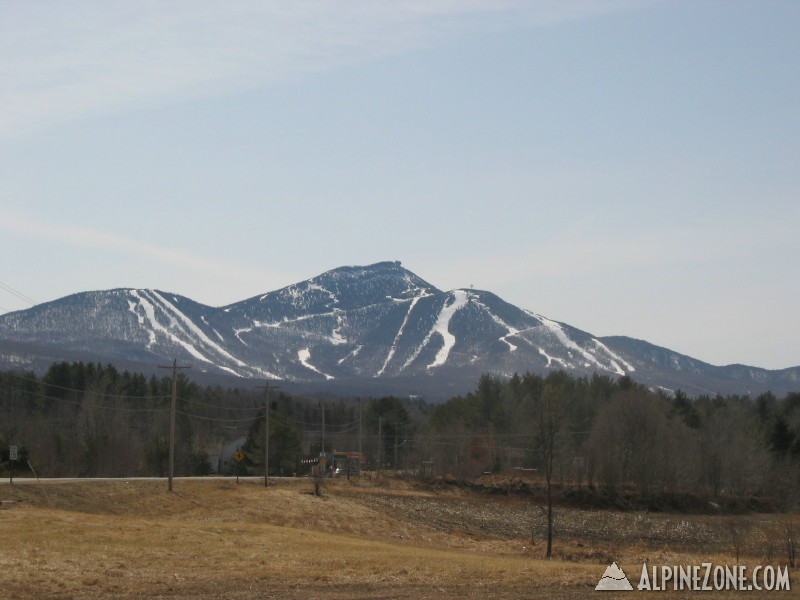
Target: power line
(217, 406)
(17, 293)
(353, 427)
(299, 422)
(79, 402)
(346, 427)
(343, 428)
(193, 416)
(503, 435)
(84, 391)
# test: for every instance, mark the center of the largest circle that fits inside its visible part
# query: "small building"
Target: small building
(348, 463)
(336, 464)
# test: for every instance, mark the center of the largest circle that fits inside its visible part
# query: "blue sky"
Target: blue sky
(625, 167)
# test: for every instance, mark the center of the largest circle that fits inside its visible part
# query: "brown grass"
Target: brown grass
(216, 539)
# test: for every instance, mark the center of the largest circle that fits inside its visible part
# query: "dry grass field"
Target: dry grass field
(218, 539)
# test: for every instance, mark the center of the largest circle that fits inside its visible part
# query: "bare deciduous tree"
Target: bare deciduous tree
(549, 420)
(790, 535)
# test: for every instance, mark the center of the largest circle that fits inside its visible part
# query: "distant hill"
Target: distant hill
(361, 329)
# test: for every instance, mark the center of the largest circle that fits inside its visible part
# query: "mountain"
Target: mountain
(373, 328)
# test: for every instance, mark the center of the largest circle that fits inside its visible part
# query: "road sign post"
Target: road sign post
(238, 457)
(12, 458)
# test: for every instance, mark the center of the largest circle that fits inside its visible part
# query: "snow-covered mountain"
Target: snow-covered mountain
(377, 323)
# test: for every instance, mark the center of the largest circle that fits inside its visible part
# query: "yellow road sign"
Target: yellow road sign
(239, 456)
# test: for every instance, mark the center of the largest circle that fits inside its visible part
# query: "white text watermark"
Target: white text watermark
(708, 577)
(705, 577)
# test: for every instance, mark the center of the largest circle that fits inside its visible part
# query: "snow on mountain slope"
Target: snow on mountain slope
(393, 348)
(162, 318)
(366, 322)
(591, 360)
(442, 327)
(303, 356)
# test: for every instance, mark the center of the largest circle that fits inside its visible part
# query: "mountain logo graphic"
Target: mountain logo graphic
(613, 580)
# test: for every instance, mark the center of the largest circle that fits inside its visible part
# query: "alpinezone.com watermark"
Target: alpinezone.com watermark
(705, 577)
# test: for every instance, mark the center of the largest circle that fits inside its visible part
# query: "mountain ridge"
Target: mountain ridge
(359, 323)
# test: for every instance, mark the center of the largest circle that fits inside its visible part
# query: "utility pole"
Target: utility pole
(395, 449)
(325, 462)
(380, 444)
(174, 368)
(267, 388)
(359, 437)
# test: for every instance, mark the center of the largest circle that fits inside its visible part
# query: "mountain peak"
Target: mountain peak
(390, 275)
(387, 268)
(356, 323)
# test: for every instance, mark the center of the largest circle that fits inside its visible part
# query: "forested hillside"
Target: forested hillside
(616, 435)
(598, 433)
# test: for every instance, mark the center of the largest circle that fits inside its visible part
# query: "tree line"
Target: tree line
(597, 433)
(616, 434)
(90, 420)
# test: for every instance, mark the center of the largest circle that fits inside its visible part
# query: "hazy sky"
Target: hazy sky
(624, 167)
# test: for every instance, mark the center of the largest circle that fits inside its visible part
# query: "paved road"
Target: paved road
(50, 480)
